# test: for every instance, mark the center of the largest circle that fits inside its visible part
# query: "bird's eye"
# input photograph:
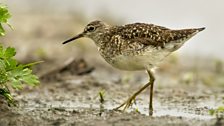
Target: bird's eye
(91, 28)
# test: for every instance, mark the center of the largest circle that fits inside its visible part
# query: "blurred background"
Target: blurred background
(41, 22)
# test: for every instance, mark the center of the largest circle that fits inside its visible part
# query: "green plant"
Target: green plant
(4, 16)
(101, 94)
(219, 112)
(12, 73)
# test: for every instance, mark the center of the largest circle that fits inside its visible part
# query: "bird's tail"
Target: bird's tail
(179, 37)
(200, 29)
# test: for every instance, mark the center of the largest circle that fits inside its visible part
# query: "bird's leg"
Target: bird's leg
(130, 99)
(152, 79)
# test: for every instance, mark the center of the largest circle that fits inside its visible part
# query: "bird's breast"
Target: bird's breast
(136, 61)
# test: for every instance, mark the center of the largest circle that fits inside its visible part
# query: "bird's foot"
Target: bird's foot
(126, 104)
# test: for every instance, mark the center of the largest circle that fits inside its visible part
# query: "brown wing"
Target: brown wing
(153, 35)
(147, 34)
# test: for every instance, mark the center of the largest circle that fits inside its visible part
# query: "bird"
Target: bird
(135, 47)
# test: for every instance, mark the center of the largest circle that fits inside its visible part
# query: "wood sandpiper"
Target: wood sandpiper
(137, 46)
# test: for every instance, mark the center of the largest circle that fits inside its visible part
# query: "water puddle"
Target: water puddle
(197, 112)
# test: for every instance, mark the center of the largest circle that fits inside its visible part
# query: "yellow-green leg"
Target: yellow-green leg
(152, 79)
(132, 98)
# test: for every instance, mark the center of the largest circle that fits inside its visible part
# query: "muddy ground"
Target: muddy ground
(73, 75)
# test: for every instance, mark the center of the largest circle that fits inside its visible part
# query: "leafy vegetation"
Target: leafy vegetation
(4, 16)
(12, 73)
(102, 94)
(219, 112)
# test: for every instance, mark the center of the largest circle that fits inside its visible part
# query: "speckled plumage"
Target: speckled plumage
(137, 46)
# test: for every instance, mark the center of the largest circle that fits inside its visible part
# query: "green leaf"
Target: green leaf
(5, 92)
(4, 16)
(19, 75)
(2, 31)
(3, 75)
(1, 51)
(9, 52)
(29, 78)
(17, 84)
(10, 64)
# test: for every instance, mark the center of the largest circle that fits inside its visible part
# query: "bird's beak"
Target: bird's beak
(74, 38)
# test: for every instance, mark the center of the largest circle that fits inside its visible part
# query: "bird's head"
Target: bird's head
(93, 30)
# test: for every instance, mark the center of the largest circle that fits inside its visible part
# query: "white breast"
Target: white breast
(147, 60)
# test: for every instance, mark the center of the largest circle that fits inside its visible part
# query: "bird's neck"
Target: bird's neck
(101, 37)
(98, 39)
